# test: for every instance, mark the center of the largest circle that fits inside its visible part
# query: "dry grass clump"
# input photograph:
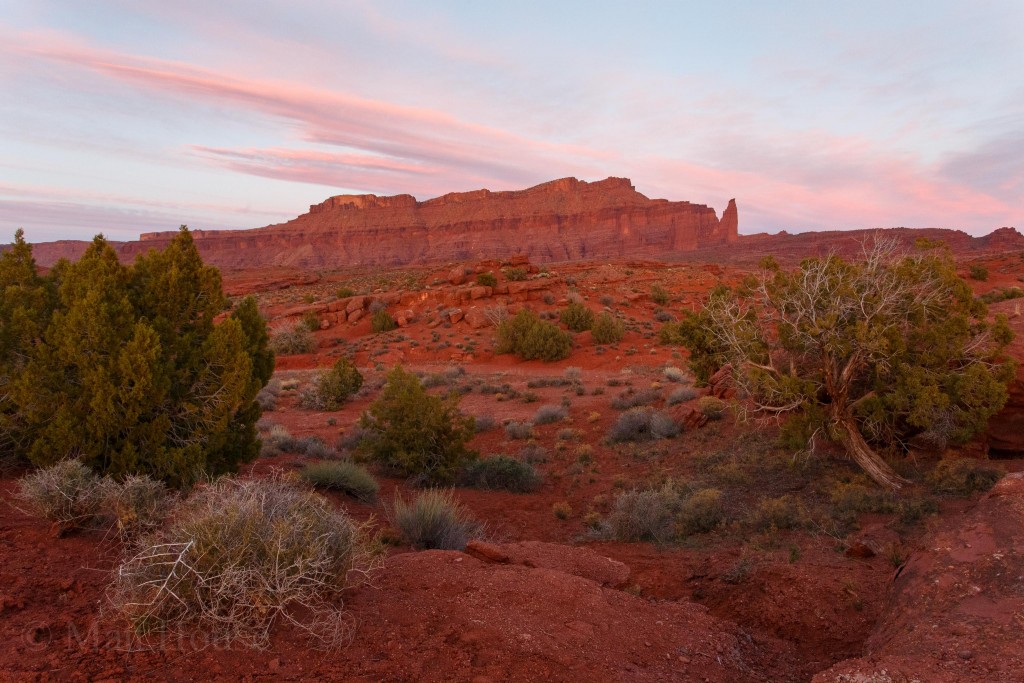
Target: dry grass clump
(519, 430)
(963, 476)
(292, 339)
(342, 475)
(645, 515)
(239, 556)
(712, 406)
(642, 424)
(550, 414)
(434, 520)
(69, 494)
(681, 395)
(632, 399)
(138, 504)
(784, 512)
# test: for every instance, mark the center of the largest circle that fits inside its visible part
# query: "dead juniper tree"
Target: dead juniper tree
(869, 353)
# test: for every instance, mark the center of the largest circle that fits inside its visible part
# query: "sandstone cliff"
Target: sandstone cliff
(562, 220)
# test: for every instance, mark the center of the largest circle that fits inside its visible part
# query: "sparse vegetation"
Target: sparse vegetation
(433, 520)
(606, 329)
(549, 415)
(330, 389)
(519, 430)
(236, 558)
(67, 493)
(342, 475)
(381, 321)
(139, 504)
(415, 434)
(515, 274)
(501, 472)
(577, 317)
(487, 280)
(531, 338)
(659, 295)
(292, 339)
(963, 476)
(642, 424)
(978, 272)
(681, 395)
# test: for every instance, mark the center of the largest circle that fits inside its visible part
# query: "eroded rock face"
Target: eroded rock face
(957, 604)
(561, 220)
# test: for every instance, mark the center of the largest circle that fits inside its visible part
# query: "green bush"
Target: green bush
(238, 557)
(344, 476)
(433, 520)
(487, 280)
(712, 406)
(784, 512)
(577, 317)
(381, 321)
(963, 476)
(531, 338)
(345, 292)
(979, 273)
(606, 329)
(701, 512)
(501, 472)
(311, 320)
(67, 493)
(134, 369)
(659, 295)
(515, 274)
(415, 434)
(332, 388)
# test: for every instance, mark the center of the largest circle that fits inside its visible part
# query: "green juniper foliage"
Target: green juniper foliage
(128, 372)
(531, 338)
(869, 353)
(414, 433)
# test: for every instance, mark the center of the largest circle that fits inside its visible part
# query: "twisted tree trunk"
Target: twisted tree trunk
(865, 456)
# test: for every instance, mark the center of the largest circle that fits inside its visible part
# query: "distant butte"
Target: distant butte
(562, 220)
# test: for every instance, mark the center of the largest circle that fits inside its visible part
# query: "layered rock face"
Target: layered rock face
(562, 220)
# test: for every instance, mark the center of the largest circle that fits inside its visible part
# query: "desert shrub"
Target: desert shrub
(963, 476)
(979, 273)
(292, 339)
(784, 512)
(606, 329)
(501, 472)
(342, 475)
(267, 398)
(632, 399)
(351, 439)
(674, 374)
(531, 338)
(138, 504)
(577, 317)
(567, 434)
(519, 430)
(333, 387)
(345, 292)
(549, 414)
(377, 305)
(681, 395)
(712, 406)
(1002, 294)
(851, 498)
(701, 512)
(311, 321)
(434, 520)
(645, 515)
(533, 454)
(562, 510)
(643, 424)
(238, 556)
(67, 493)
(415, 434)
(381, 321)
(134, 369)
(659, 295)
(515, 274)
(484, 423)
(487, 280)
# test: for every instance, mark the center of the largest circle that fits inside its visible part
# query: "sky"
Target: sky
(129, 116)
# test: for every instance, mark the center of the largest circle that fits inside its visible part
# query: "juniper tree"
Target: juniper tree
(869, 353)
(132, 375)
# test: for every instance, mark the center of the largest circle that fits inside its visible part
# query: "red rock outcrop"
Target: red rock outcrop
(957, 604)
(561, 220)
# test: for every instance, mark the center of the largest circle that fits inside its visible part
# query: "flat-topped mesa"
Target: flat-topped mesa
(561, 220)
